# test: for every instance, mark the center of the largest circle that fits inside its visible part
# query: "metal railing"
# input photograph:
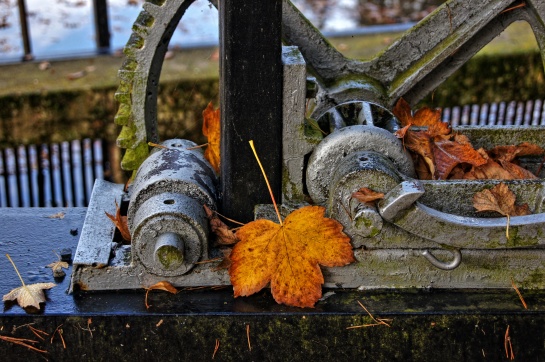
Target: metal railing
(59, 174)
(529, 113)
(102, 28)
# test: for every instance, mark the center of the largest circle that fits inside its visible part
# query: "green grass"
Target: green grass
(517, 38)
(203, 63)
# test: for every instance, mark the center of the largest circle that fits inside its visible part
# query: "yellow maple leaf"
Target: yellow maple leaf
(288, 256)
(211, 130)
(27, 295)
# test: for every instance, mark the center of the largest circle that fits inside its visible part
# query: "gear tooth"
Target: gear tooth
(123, 114)
(134, 42)
(129, 64)
(127, 137)
(124, 86)
(142, 31)
(145, 19)
(122, 97)
(125, 75)
(153, 9)
(134, 157)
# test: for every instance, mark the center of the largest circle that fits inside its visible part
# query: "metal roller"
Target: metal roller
(168, 225)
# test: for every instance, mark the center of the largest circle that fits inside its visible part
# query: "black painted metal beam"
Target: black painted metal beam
(25, 34)
(102, 27)
(251, 103)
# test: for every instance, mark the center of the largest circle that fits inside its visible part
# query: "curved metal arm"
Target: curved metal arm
(400, 207)
(442, 265)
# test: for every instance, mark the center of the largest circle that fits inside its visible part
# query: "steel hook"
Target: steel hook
(442, 265)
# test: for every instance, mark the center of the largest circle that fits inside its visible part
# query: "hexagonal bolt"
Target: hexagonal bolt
(367, 222)
(169, 251)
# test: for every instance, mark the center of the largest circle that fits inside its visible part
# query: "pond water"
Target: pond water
(65, 28)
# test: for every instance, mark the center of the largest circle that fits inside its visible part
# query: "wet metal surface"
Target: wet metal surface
(32, 236)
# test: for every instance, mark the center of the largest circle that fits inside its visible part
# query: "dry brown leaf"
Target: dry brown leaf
(509, 153)
(288, 256)
(29, 295)
(437, 152)
(57, 267)
(421, 143)
(120, 222)
(402, 111)
(448, 154)
(225, 236)
(518, 173)
(162, 285)
(211, 129)
(58, 215)
(424, 117)
(225, 262)
(400, 133)
(499, 199)
(365, 194)
(491, 170)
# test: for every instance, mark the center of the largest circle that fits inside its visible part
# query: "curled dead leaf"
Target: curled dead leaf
(424, 117)
(120, 223)
(510, 152)
(225, 236)
(211, 129)
(365, 194)
(448, 154)
(57, 267)
(162, 285)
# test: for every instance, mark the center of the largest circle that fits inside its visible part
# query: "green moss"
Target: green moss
(145, 19)
(134, 157)
(312, 132)
(170, 257)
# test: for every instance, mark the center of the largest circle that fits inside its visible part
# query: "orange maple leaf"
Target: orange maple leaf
(424, 117)
(288, 256)
(120, 223)
(211, 130)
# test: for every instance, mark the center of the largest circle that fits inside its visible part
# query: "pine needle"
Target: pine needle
(23, 342)
(216, 348)
(378, 321)
(267, 181)
(248, 336)
(519, 294)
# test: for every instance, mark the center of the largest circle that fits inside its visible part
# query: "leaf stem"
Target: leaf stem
(267, 181)
(17, 271)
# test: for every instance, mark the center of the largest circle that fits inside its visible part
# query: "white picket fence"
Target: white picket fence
(58, 174)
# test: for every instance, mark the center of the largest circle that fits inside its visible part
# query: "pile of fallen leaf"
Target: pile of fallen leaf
(440, 154)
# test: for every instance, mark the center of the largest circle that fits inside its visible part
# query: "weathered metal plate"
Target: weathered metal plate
(98, 231)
